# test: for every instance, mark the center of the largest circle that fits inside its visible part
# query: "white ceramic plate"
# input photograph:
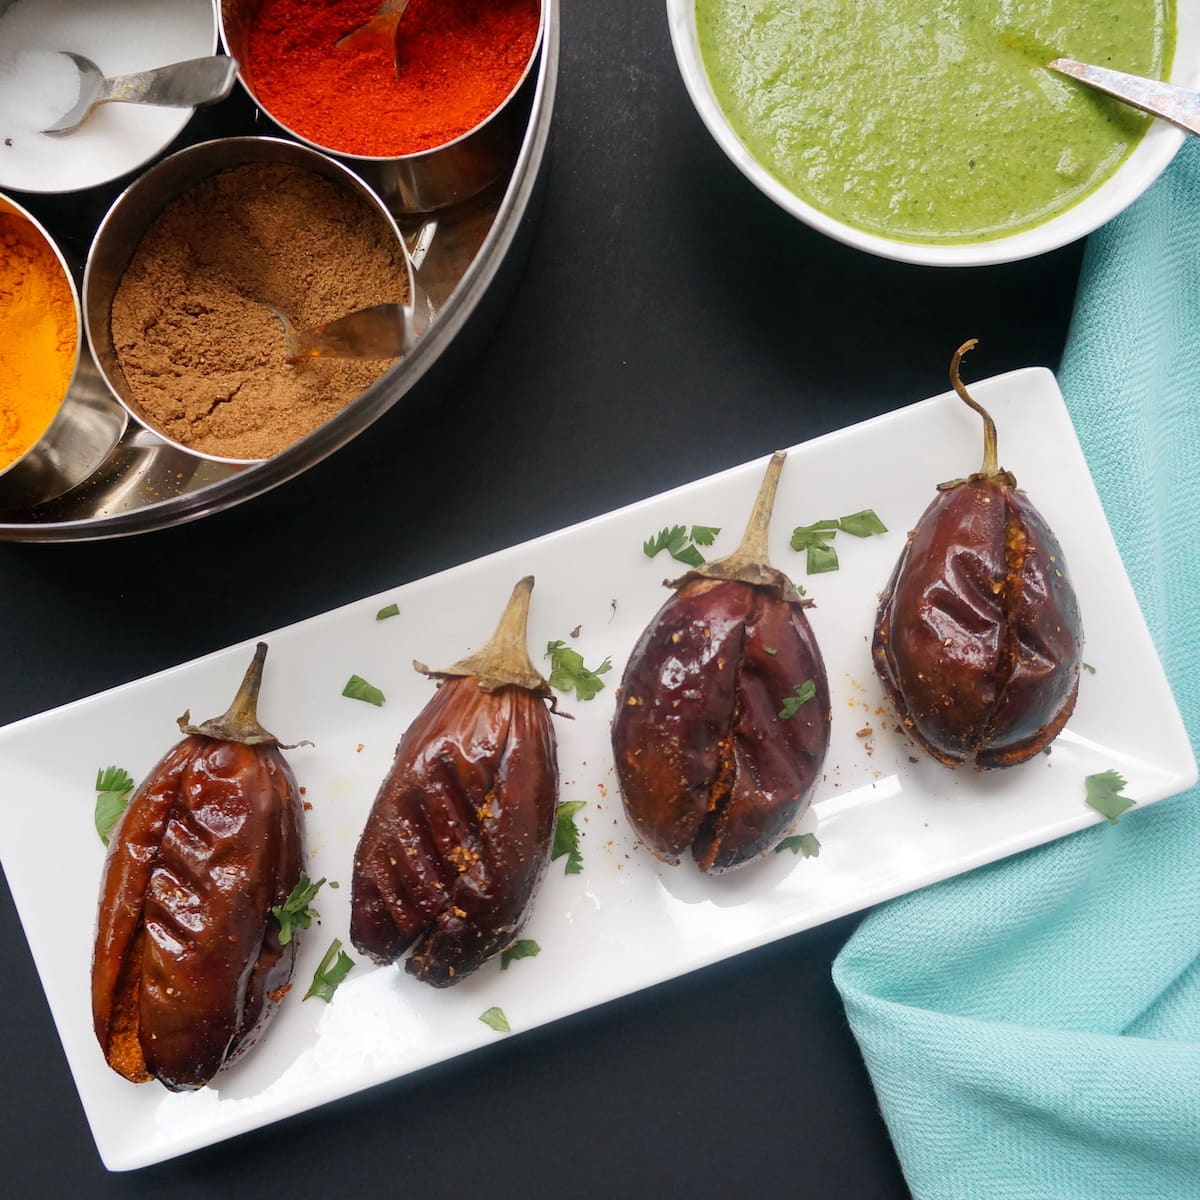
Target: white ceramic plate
(886, 824)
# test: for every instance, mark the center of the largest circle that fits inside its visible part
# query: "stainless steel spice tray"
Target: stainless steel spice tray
(460, 254)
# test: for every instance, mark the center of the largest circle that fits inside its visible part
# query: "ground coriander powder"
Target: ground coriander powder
(203, 358)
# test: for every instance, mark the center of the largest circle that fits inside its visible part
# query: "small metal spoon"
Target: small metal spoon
(382, 331)
(180, 85)
(381, 27)
(1178, 105)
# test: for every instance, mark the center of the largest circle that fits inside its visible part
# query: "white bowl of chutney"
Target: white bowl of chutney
(929, 132)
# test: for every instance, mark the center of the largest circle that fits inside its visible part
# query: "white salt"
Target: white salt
(36, 88)
(120, 36)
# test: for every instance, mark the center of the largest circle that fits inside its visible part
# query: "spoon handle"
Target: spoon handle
(180, 85)
(383, 331)
(1178, 105)
(381, 28)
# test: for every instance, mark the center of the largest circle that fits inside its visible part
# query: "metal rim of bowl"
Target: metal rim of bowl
(8, 206)
(528, 167)
(1149, 158)
(227, 153)
(416, 156)
(86, 423)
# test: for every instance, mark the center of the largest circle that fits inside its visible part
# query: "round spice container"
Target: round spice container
(430, 125)
(185, 273)
(56, 424)
(38, 84)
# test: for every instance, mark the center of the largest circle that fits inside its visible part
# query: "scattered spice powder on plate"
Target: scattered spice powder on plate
(38, 336)
(459, 60)
(202, 356)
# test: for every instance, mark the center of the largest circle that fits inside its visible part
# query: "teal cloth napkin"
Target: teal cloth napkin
(1032, 1028)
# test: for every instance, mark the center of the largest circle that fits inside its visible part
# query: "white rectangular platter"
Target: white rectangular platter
(888, 820)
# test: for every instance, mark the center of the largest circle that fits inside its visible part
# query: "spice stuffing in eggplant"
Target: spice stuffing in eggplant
(460, 833)
(978, 639)
(723, 713)
(188, 965)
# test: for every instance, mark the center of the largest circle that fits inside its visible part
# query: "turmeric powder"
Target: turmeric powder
(38, 336)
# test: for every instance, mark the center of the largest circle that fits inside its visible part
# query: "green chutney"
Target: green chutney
(932, 121)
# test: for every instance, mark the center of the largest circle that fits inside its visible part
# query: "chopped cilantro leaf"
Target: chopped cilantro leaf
(670, 540)
(330, 972)
(862, 524)
(815, 539)
(114, 787)
(819, 559)
(357, 688)
(525, 948)
(495, 1019)
(568, 673)
(801, 843)
(804, 692)
(295, 912)
(680, 543)
(804, 536)
(1088, 668)
(1104, 795)
(566, 836)
(389, 610)
(113, 779)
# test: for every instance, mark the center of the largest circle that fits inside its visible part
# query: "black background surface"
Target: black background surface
(670, 322)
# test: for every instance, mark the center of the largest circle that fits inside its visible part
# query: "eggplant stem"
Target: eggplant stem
(749, 563)
(505, 660)
(240, 721)
(991, 460)
(753, 547)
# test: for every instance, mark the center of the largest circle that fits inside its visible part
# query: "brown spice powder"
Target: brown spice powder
(203, 359)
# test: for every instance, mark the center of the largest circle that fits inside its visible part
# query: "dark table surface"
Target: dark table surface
(670, 322)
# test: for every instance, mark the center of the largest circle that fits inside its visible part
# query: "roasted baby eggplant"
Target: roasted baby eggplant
(723, 715)
(978, 639)
(188, 965)
(461, 830)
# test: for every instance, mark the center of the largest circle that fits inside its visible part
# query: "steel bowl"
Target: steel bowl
(428, 180)
(132, 213)
(469, 259)
(86, 426)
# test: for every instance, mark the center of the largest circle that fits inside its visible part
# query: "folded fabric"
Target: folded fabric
(1032, 1028)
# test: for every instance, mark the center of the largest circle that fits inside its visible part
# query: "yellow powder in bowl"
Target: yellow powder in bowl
(38, 336)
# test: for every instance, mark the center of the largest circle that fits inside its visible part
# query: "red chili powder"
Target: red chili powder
(459, 59)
